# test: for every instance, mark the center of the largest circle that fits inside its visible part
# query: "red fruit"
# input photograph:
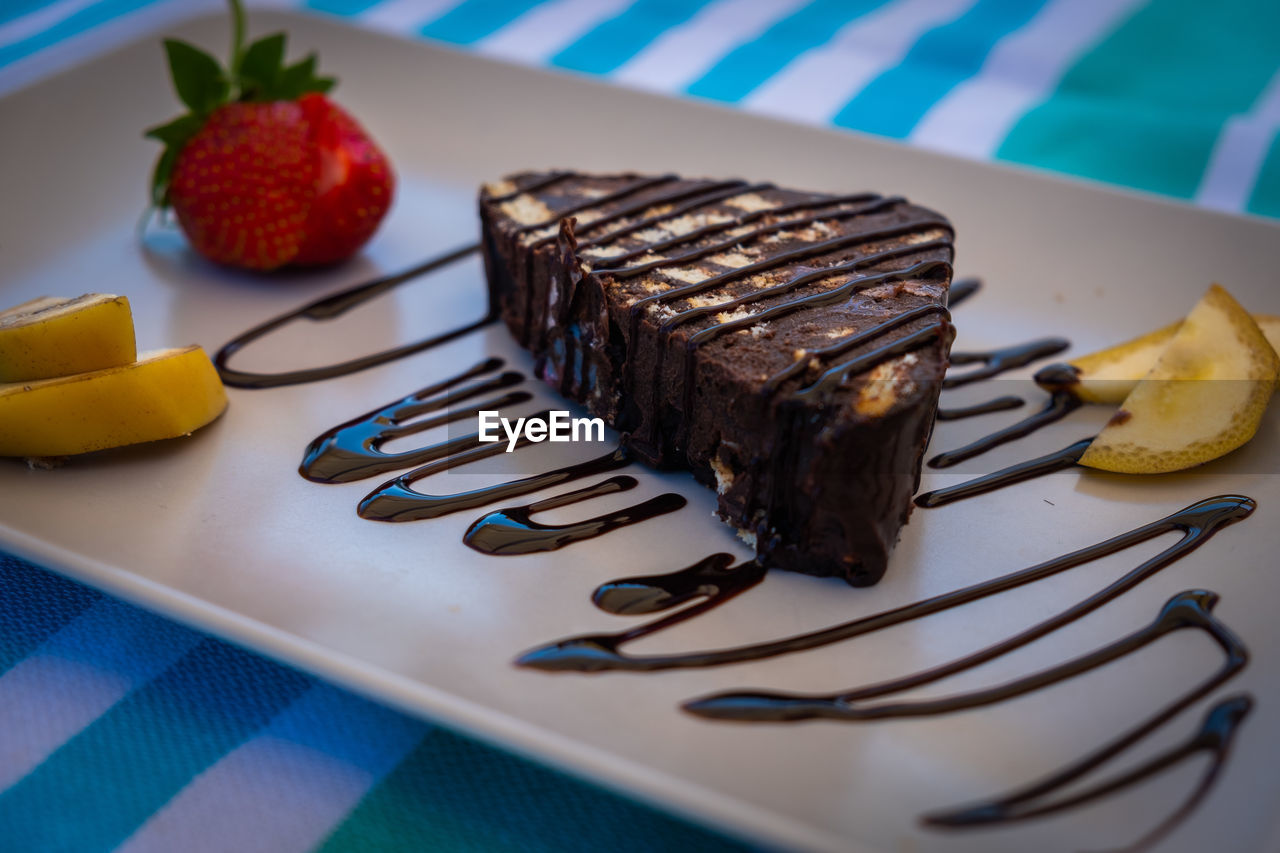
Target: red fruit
(262, 185)
(264, 170)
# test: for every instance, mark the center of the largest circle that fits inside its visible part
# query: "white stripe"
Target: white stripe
(76, 676)
(1240, 152)
(96, 41)
(548, 28)
(683, 54)
(1022, 70)
(404, 16)
(34, 23)
(816, 85)
(289, 786)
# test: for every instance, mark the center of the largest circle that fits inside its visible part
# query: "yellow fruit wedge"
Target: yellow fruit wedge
(1109, 375)
(52, 336)
(1204, 397)
(164, 394)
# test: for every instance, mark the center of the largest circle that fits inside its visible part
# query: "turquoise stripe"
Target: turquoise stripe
(749, 65)
(85, 19)
(616, 40)
(893, 103)
(13, 9)
(45, 603)
(345, 8)
(475, 19)
(453, 794)
(1144, 108)
(1266, 192)
(91, 793)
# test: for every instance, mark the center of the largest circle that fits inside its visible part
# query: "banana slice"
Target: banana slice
(53, 336)
(1109, 375)
(166, 393)
(1204, 397)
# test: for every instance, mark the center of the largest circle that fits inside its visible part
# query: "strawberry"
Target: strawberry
(265, 170)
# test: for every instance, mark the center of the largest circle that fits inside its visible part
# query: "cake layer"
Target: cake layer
(788, 347)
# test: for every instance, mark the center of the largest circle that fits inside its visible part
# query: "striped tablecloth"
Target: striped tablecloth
(119, 728)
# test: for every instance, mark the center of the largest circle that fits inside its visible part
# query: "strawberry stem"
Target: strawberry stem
(237, 37)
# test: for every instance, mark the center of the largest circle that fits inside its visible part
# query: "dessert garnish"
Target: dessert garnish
(1204, 397)
(164, 394)
(75, 383)
(52, 336)
(264, 170)
(1109, 375)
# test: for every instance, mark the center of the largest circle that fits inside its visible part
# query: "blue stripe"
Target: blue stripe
(95, 790)
(616, 40)
(348, 728)
(14, 9)
(345, 8)
(893, 103)
(85, 19)
(475, 19)
(117, 638)
(37, 605)
(749, 65)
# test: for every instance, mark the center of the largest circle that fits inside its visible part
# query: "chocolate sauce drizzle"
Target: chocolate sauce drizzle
(999, 404)
(702, 195)
(997, 361)
(834, 296)
(1198, 523)
(1215, 735)
(335, 305)
(617, 195)
(1191, 609)
(796, 368)
(873, 204)
(711, 577)
(513, 531)
(1020, 472)
(1059, 405)
(962, 289)
(397, 500)
(542, 183)
(352, 451)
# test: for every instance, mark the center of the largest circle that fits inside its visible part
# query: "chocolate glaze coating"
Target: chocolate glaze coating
(751, 334)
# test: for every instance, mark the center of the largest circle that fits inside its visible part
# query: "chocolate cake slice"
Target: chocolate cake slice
(788, 347)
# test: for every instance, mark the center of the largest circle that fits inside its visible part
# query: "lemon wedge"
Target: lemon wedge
(1109, 375)
(53, 336)
(1203, 398)
(164, 394)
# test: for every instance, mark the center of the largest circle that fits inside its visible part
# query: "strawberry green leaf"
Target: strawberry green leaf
(176, 132)
(293, 79)
(300, 78)
(197, 76)
(261, 66)
(160, 177)
(174, 135)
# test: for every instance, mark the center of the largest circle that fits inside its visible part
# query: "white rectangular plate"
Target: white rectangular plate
(219, 531)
